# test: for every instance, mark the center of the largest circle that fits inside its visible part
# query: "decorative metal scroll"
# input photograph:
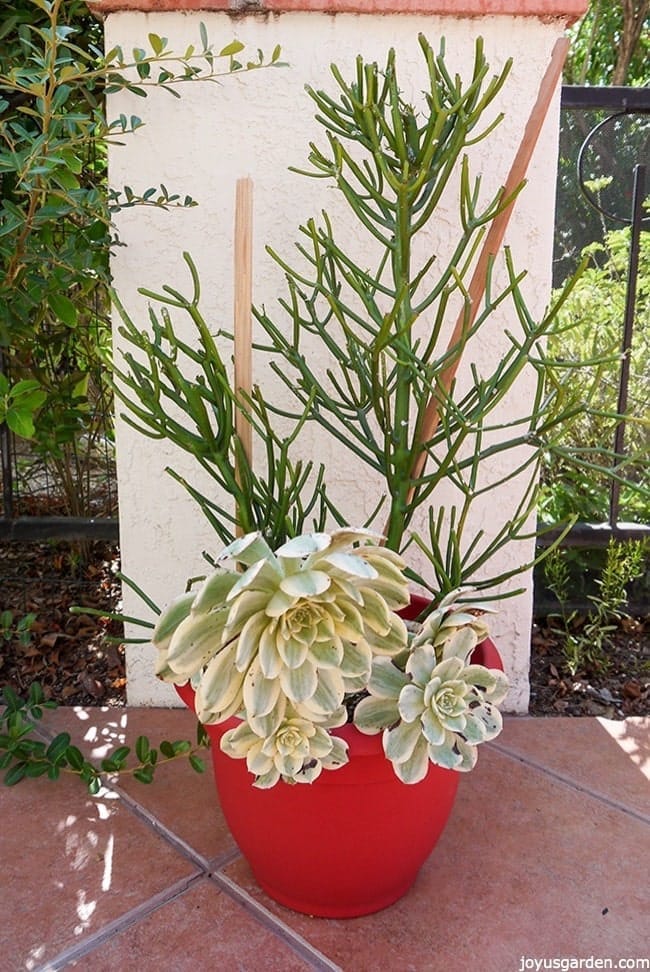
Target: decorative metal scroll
(611, 170)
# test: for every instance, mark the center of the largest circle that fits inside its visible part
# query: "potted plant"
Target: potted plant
(338, 728)
(294, 666)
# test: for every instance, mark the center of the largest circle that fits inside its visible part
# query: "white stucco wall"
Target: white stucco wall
(258, 125)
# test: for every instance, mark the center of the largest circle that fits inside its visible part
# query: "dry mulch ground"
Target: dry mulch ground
(76, 664)
(69, 654)
(615, 688)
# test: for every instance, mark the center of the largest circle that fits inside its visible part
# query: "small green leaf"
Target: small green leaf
(15, 774)
(142, 748)
(35, 693)
(233, 48)
(157, 44)
(144, 775)
(197, 764)
(75, 758)
(66, 179)
(120, 754)
(57, 748)
(64, 309)
(181, 746)
(36, 769)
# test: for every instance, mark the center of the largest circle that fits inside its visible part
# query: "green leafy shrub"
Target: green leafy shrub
(24, 756)
(56, 213)
(590, 326)
(586, 641)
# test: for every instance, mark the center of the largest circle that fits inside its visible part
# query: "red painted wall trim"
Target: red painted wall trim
(568, 10)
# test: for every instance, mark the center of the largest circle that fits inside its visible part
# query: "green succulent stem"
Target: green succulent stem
(380, 323)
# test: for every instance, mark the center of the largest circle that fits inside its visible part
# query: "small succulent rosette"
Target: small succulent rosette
(434, 705)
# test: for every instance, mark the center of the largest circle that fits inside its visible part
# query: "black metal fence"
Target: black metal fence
(603, 184)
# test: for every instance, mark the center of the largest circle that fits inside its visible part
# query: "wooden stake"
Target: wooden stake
(243, 299)
(493, 242)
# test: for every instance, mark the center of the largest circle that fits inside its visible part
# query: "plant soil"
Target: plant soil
(74, 660)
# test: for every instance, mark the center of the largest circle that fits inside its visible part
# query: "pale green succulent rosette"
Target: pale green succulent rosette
(296, 750)
(281, 644)
(306, 621)
(440, 707)
(450, 616)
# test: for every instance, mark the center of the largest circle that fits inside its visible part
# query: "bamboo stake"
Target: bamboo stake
(493, 243)
(243, 333)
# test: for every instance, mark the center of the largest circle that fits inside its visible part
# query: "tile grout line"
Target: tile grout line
(568, 781)
(211, 869)
(118, 925)
(150, 820)
(298, 944)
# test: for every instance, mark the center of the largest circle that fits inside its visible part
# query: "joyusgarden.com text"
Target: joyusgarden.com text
(529, 964)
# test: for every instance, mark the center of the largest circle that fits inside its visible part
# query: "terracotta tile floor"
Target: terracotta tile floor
(545, 857)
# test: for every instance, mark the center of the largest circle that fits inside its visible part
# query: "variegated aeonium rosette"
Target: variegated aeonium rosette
(433, 704)
(282, 644)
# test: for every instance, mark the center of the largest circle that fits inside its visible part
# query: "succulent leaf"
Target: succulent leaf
(415, 768)
(374, 714)
(260, 693)
(376, 614)
(247, 550)
(214, 591)
(305, 583)
(349, 565)
(386, 681)
(411, 703)
(170, 619)
(299, 684)
(197, 638)
(219, 692)
(304, 546)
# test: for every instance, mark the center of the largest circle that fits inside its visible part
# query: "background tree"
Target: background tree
(611, 44)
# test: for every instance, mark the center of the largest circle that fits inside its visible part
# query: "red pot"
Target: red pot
(348, 844)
